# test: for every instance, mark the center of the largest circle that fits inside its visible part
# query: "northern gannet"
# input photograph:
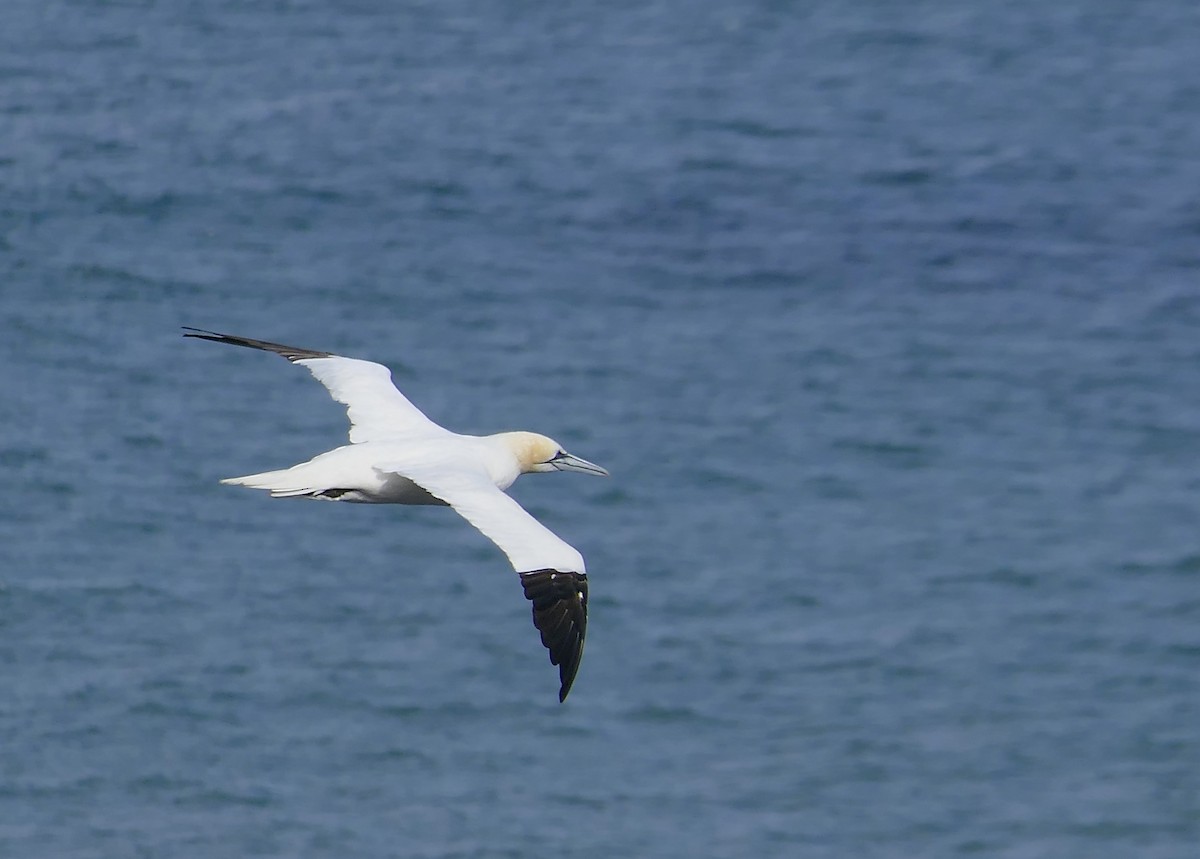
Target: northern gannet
(397, 455)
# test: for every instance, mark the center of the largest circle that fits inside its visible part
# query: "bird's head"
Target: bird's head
(538, 453)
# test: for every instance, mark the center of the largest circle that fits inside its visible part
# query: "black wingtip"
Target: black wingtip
(560, 615)
(200, 333)
(292, 353)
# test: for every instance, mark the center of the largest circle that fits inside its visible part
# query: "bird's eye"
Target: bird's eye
(561, 453)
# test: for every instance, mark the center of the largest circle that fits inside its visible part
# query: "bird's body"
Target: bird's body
(397, 455)
(351, 472)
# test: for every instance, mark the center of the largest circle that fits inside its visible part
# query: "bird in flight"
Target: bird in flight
(397, 455)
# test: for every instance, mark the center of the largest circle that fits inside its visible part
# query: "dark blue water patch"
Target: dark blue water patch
(750, 128)
(74, 789)
(900, 176)
(1185, 565)
(18, 458)
(667, 715)
(906, 456)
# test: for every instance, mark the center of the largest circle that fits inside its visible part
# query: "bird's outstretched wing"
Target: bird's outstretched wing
(552, 571)
(375, 407)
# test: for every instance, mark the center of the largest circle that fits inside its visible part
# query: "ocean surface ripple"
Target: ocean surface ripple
(885, 318)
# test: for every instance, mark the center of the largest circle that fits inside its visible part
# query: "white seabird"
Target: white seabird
(397, 455)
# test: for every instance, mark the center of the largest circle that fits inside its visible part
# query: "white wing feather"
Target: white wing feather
(377, 410)
(528, 543)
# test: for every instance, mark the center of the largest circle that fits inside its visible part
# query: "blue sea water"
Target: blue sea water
(885, 318)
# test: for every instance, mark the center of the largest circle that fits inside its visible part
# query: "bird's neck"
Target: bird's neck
(502, 459)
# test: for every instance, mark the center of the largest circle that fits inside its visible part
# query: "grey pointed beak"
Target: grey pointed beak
(568, 462)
